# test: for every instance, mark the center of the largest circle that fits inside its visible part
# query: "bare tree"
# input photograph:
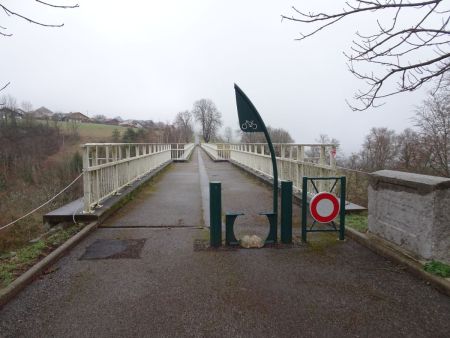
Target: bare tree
(228, 134)
(9, 101)
(183, 122)
(206, 112)
(277, 135)
(26, 106)
(433, 121)
(99, 118)
(379, 149)
(398, 53)
(411, 155)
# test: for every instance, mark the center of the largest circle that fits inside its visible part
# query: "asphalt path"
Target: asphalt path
(162, 287)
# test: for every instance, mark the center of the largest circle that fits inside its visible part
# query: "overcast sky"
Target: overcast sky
(151, 59)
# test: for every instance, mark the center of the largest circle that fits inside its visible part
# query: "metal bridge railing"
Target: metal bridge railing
(218, 151)
(108, 167)
(182, 151)
(293, 160)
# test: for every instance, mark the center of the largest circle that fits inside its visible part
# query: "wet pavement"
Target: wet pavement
(326, 289)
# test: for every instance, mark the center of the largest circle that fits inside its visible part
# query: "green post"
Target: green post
(274, 169)
(342, 211)
(304, 206)
(286, 212)
(215, 214)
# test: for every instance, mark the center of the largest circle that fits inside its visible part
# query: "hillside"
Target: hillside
(41, 169)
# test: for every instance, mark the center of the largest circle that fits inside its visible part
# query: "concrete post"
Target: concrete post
(412, 211)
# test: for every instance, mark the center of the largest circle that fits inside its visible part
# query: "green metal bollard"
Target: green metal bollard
(286, 212)
(215, 214)
(304, 206)
(342, 211)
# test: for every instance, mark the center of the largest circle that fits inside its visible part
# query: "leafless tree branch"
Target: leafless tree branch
(10, 12)
(395, 50)
(57, 6)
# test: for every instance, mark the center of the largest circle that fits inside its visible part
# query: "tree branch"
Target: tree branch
(396, 47)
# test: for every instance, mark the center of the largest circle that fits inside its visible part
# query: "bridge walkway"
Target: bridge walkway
(329, 288)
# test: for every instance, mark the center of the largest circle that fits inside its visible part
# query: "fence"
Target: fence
(293, 160)
(218, 151)
(181, 151)
(108, 167)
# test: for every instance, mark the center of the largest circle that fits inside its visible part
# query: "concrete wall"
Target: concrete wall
(412, 211)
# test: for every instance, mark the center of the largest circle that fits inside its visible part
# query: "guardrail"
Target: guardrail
(182, 151)
(293, 160)
(108, 167)
(218, 151)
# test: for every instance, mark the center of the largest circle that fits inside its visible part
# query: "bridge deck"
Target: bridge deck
(327, 289)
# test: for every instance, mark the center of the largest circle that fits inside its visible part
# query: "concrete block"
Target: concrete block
(412, 211)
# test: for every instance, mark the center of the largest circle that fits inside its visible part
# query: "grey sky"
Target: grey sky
(151, 59)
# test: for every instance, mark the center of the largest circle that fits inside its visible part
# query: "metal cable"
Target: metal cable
(42, 205)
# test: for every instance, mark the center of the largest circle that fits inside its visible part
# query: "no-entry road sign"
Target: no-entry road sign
(324, 207)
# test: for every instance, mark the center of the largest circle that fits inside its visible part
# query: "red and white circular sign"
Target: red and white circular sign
(324, 207)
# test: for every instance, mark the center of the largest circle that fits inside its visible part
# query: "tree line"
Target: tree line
(422, 148)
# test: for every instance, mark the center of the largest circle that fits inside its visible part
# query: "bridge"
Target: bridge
(147, 269)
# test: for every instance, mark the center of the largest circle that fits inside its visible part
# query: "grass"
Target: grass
(357, 221)
(438, 268)
(12, 264)
(89, 132)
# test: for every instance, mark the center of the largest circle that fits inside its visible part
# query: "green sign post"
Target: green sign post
(251, 122)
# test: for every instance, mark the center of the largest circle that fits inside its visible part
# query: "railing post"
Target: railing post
(215, 214)
(128, 154)
(86, 180)
(333, 157)
(301, 153)
(304, 206)
(322, 155)
(342, 210)
(117, 151)
(107, 153)
(97, 174)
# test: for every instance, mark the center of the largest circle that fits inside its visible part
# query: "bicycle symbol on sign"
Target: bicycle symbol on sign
(249, 124)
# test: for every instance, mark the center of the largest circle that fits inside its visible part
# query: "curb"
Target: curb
(7, 293)
(385, 249)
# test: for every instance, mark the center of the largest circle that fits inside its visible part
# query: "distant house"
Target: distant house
(76, 117)
(113, 122)
(21, 112)
(41, 113)
(131, 124)
(7, 113)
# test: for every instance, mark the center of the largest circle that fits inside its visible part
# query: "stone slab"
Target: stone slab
(411, 211)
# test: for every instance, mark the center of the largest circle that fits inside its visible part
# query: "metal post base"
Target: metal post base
(230, 217)
(272, 237)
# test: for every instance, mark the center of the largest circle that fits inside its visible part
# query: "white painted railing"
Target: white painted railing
(108, 167)
(293, 160)
(182, 151)
(218, 151)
